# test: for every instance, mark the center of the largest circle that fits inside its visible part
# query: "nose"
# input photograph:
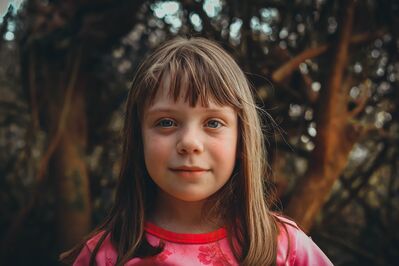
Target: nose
(189, 142)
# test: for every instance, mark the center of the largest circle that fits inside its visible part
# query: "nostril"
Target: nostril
(189, 147)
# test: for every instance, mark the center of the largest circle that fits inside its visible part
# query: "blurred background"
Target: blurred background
(326, 70)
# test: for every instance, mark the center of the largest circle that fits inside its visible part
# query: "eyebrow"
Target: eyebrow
(174, 110)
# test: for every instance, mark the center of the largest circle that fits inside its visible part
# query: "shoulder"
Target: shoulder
(295, 247)
(286, 240)
(106, 252)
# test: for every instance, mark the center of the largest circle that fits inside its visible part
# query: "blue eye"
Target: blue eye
(214, 124)
(166, 123)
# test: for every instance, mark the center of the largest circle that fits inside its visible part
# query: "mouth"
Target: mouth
(189, 169)
(185, 171)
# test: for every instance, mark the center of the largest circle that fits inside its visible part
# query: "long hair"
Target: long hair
(203, 72)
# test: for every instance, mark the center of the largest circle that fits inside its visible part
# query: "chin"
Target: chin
(190, 197)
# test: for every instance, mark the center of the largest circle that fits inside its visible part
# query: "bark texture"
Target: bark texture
(59, 40)
(335, 134)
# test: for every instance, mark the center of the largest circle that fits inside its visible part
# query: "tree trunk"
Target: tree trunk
(335, 136)
(50, 37)
(68, 166)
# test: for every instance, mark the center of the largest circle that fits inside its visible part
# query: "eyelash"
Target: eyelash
(214, 120)
(159, 123)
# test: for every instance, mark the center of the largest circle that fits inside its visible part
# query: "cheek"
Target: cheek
(225, 149)
(155, 148)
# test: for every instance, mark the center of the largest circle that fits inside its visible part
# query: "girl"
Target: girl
(192, 188)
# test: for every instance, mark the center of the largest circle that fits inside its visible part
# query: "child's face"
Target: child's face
(189, 152)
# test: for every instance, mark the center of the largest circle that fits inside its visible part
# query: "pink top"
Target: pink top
(206, 249)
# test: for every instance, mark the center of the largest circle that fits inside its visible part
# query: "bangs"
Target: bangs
(196, 77)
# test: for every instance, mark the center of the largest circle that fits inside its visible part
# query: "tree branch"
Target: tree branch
(361, 103)
(285, 70)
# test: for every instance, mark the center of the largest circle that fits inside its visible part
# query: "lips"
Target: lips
(189, 172)
(189, 169)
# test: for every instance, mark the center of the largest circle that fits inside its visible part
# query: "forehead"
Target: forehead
(165, 99)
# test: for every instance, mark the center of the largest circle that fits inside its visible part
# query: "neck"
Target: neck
(181, 216)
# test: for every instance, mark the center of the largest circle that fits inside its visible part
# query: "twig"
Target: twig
(33, 92)
(361, 103)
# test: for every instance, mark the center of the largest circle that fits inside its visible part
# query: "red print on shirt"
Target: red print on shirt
(109, 262)
(212, 255)
(164, 255)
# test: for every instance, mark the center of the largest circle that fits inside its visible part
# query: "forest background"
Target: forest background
(326, 70)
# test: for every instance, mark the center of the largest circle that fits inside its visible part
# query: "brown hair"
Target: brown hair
(203, 71)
